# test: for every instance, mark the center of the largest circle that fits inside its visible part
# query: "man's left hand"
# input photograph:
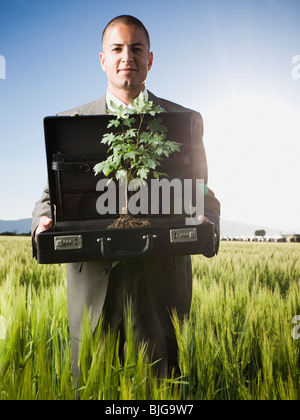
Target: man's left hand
(203, 219)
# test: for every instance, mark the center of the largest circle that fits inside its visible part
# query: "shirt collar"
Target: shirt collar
(118, 102)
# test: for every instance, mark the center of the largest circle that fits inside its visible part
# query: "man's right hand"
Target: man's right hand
(45, 224)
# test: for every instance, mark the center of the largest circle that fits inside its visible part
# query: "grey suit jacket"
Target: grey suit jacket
(169, 279)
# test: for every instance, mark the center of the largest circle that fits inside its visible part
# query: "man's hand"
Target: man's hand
(45, 224)
(203, 219)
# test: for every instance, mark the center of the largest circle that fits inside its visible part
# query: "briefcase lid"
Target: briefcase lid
(73, 147)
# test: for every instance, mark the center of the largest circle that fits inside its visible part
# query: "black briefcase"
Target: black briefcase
(81, 230)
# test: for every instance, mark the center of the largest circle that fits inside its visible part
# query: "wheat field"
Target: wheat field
(238, 345)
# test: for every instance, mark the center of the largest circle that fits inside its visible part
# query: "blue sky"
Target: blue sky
(231, 60)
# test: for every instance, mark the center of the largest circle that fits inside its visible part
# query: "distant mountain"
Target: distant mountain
(15, 226)
(228, 228)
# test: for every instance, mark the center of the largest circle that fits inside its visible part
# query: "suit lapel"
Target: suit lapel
(100, 106)
(153, 98)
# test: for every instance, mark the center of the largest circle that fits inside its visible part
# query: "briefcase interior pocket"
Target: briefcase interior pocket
(76, 186)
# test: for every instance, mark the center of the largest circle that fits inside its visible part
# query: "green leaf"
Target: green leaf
(143, 173)
(120, 174)
(156, 110)
(98, 168)
(108, 138)
(119, 111)
(151, 163)
(114, 123)
(173, 146)
(131, 132)
(128, 121)
(103, 167)
(157, 139)
(140, 105)
(129, 155)
(157, 175)
(145, 137)
(156, 125)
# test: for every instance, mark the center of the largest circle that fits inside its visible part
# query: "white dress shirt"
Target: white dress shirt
(110, 97)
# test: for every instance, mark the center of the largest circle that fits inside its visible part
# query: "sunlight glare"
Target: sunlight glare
(253, 147)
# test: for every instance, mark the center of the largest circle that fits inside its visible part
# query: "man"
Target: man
(156, 286)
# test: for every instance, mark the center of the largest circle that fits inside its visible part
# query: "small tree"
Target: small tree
(135, 153)
(260, 232)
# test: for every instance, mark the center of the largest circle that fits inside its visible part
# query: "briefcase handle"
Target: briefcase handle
(126, 253)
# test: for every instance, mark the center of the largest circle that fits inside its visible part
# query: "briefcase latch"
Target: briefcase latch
(65, 243)
(183, 235)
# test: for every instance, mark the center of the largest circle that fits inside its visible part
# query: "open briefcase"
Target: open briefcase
(80, 228)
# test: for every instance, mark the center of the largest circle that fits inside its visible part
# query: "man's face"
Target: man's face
(126, 59)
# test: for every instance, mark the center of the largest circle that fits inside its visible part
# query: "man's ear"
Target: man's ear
(150, 61)
(102, 61)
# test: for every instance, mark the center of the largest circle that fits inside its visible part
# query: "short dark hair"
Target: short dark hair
(128, 20)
